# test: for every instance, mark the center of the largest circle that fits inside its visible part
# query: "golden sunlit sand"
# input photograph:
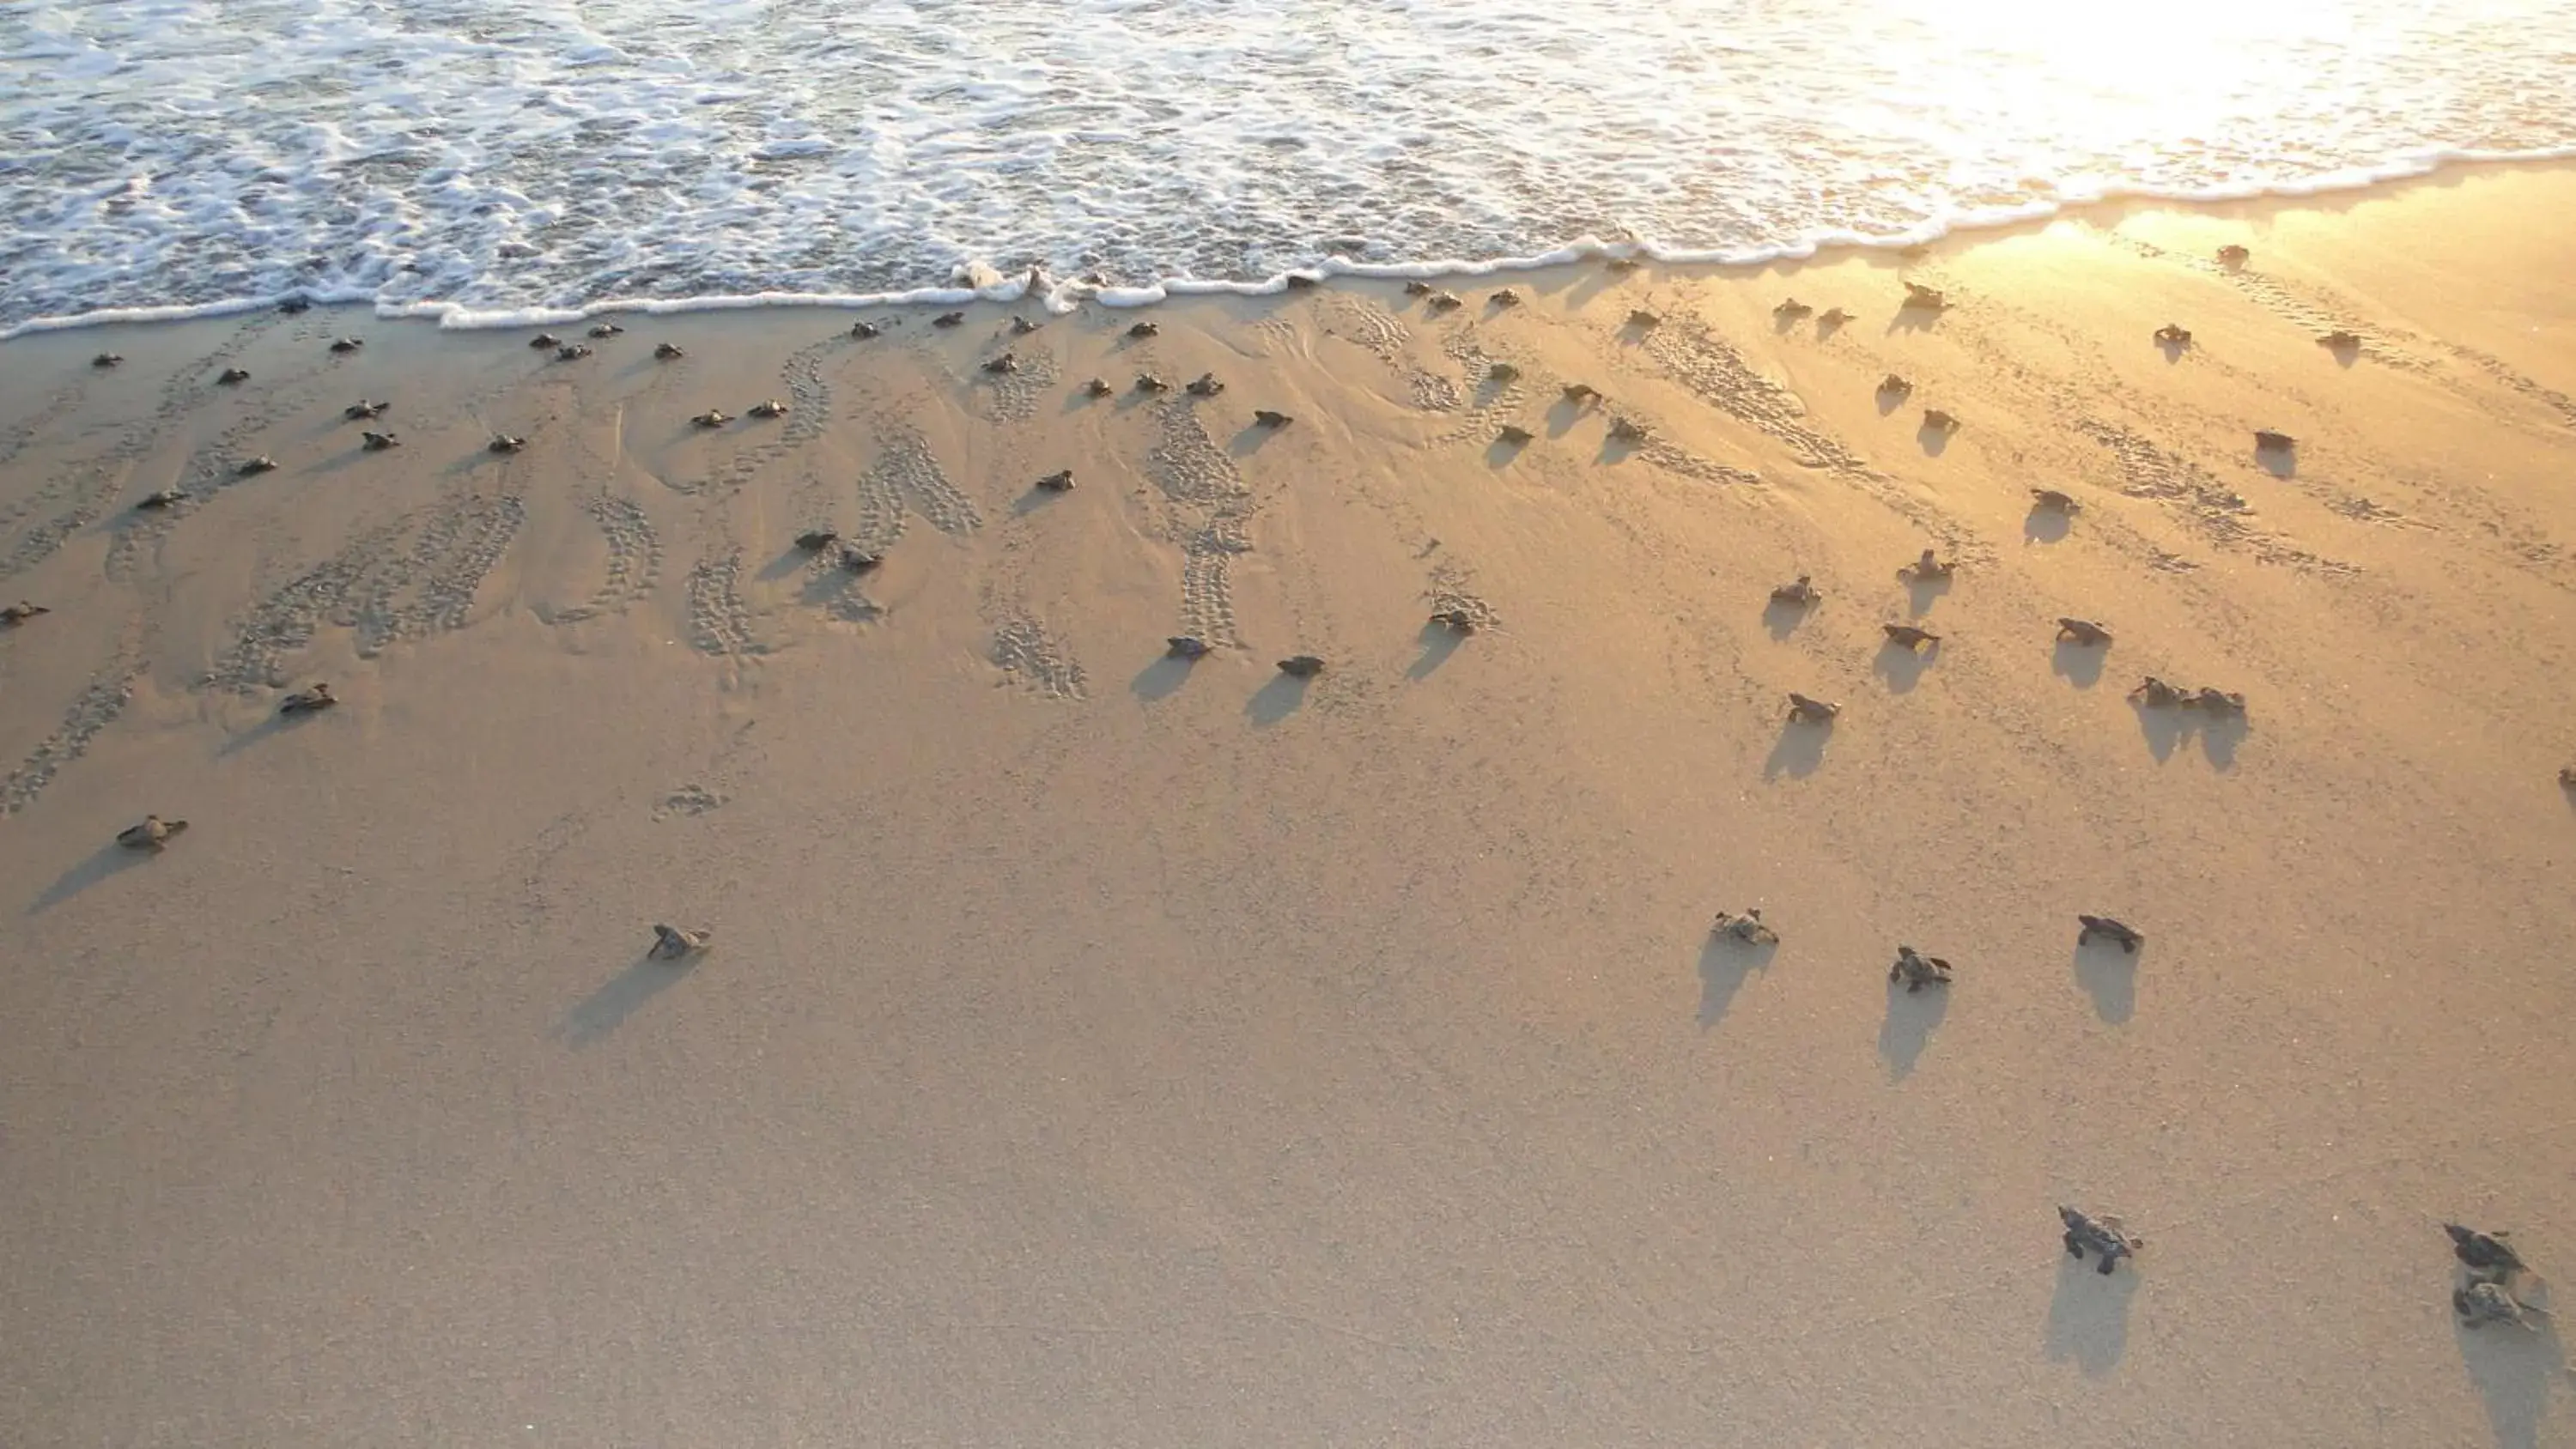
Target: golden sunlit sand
(1099, 1047)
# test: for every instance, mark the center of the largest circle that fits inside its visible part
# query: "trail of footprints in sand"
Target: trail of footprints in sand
(1208, 510)
(634, 558)
(719, 621)
(1023, 648)
(98, 705)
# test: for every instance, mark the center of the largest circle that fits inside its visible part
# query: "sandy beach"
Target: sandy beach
(1103, 1048)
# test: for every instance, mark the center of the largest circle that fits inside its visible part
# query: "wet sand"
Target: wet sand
(1101, 1048)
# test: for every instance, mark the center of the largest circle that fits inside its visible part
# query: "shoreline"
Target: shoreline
(2346, 187)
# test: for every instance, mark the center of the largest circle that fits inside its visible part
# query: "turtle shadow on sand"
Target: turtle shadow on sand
(2513, 1369)
(1901, 667)
(2045, 525)
(620, 997)
(276, 724)
(1934, 441)
(1922, 592)
(1248, 442)
(1725, 963)
(2279, 462)
(108, 860)
(1275, 701)
(2088, 1320)
(1890, 399)
(1562, 416)
(787, 562)
(2172, 348)
(1033, 500)
(2219, 738)
(1160, 679)
(1799, 750)
(1438, 642)
(1615, 450)
(2163, 728)
(1783, 616)
(1501, 451)
(1907, 1028)
(1912, 319)
(2077, 664)
(2110, 976)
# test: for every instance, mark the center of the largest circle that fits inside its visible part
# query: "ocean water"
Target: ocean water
(494, 161)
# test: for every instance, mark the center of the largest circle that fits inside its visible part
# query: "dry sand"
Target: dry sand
(1101, 1050)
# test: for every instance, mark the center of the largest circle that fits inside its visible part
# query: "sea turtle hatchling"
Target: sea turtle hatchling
(1022, 327)
(670, 943)
(1265, 418)
(294, 305)
(2267, 441)
(864, 329)
(233, 376)
(1792, 308)
(769, 407)
(1640, 317)
(2341, 341)
(364, 408)
(153, 834)
(1501, 372)
(1627, 430)
(1812, 711)
(2487, 1254)
(2217, 701)
(1929, 567)
(1622, 264)
(1747, 927)
(378, 442)
(1299, 281)
(1002, 365)
(1301, 666)
(1205, 385)
(2104, 1237)
(20, 612)
(2567, 776)
(2483, 1302)
(1800, 591)
(1894, 386)
(1457, 620)
(2234, 255)
(816, 540)
(2082, 631)
(1144, 329)
(1582, 394)
(253, 467)
(949, 319)
(1185, 646)
(1098, 387)
(712, 418)
(1917, 970)
(1443, 301)
(858, 560)
(1833, 317)
(2126, 936)
(1060, 481)
(544, 340)
(606, 329)
(1921, 298)
(505, 443)
(308, 701)
(2054, 501)
(1938, 421)
(347, 344)
(666, 351)
(1505, 297)
(2173, 334)
(1417, 288)
(1906, 636)
(1514, 435)
(166, 498)
(572, 352)
(1148, 382)
(107, 359)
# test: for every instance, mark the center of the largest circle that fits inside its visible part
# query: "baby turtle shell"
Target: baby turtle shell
(347, 344)
(1917, 970)
(2126, 936)
(1505, 298)
(2082, 631)
(545, 340)
(712, 418)
(293, 305)
(2567, 776)
(1812, 711)
(572, 352)
(1148, 382)
(1003, 364)
(1834, 317)
(1301, 666)
(1930, 566)
(153, 834)
(1939, 421)
(859, 560)
(1501, 372)
(2267, 441)
(2482, 1302)
(166, 498)
(1582, 393)
(2341, 341)
(817, 540)
(769, 407)
(1264, 417)
(2234, 256)
(378, 442)
(2485, 1253)
(2050, 498)
(1515, 434)
(1622, 264)
(364, 408)
(1792, 308)
(1747, 927)
(665, 351)
(2217, 701)
(1058, 482)
(1443, 301)
(863, 329)
(1643, 318)
(2174, 334)
(606, 329)
(1906, 636)
(2154, 691)
(2104, 1237)
(1457, 621)
(1297, 281)
(252, 467)
(1417, 288)
(1800, 591)
(20, 612)
(1894, 386)
(308, 701)
(232, 376)
(1623, 430)
(949, 319)
(1145, 329)
(1921, 298)
(670, 943)
(107, 359)
(1098, 387)
(1022, 326)
(1185, 646)
(505, 443)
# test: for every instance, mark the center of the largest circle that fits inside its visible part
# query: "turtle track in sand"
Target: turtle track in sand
(1024, 649)
(94, 709)
(634, 558)
(719, 621)
(1207, 509)
(909, 467)
(2207, 508)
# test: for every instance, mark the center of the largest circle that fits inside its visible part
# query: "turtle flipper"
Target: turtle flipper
(2109, 1262)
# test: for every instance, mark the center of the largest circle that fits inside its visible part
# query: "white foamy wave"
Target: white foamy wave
(500, 162)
